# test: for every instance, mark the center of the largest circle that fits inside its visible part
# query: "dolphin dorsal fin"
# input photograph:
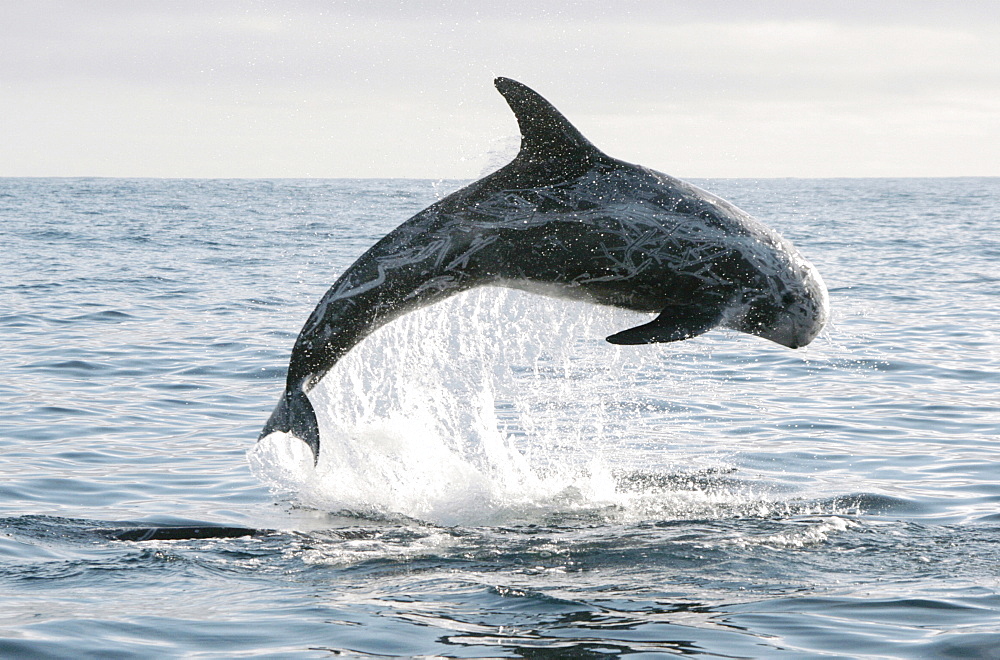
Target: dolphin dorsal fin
(546, 134)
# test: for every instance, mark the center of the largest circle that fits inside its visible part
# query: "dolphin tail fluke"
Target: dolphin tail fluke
(294, 414)
(675, 323)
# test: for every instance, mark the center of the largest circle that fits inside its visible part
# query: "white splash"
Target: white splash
(492, 406)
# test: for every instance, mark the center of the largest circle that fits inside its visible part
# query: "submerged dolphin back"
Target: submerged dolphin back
(567, 220)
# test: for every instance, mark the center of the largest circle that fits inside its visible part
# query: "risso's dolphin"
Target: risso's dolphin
(565, 219)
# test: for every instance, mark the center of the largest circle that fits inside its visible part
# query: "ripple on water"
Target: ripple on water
(503, 482)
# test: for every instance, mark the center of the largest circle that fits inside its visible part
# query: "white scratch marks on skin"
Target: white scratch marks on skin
(627, 225)
(462, 260)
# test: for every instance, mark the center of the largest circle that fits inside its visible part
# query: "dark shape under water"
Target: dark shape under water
(567, 220)
(177, 532)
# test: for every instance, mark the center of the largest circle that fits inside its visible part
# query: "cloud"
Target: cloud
(403, 89)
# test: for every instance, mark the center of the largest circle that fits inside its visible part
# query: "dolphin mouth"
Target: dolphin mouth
(791, 334)
(797, 325)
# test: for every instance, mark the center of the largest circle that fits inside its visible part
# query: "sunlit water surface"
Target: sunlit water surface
(496, 480)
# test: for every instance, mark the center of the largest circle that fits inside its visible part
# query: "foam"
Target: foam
(493, 406)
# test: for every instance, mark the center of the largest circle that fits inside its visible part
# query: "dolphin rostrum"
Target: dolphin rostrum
(567, 220)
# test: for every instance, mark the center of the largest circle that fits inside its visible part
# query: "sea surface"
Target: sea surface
(497, 481)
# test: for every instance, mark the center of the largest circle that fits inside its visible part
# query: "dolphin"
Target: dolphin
(565, 219)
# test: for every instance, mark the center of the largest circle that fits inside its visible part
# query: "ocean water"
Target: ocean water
(497, 481)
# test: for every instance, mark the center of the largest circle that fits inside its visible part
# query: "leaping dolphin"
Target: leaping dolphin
(567, 220)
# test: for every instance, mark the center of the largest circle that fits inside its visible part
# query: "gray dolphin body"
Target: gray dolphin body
(565, 219)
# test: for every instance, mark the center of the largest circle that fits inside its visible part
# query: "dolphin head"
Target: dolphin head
(789, 307)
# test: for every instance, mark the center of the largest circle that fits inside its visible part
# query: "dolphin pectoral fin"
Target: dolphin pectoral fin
(294, 414)
(675, 323)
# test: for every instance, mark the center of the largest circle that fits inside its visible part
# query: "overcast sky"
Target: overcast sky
(331, 88)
